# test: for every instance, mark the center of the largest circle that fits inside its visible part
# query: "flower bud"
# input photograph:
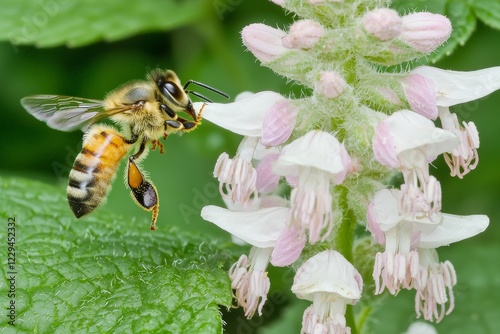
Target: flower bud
(383, 23)
(330, 84)
(264, 41)
(304, 34)
(425, 31)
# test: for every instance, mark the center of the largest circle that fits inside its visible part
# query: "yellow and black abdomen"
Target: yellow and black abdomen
(94, 168)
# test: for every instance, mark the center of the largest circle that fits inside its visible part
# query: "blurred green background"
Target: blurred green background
(208, 48)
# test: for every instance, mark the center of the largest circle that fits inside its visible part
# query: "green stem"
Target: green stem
(344, 242)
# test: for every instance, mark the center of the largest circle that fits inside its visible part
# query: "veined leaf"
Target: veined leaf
(75, 23)
(105, 274)
(488, 11)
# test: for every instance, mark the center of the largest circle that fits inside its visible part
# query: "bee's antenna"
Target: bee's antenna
(204, 86)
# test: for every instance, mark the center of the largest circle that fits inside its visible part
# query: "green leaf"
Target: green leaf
(488, 11)
(75, 23)
(106, 274)
(463, 22)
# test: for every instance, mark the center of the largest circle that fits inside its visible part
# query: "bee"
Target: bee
(145, 111)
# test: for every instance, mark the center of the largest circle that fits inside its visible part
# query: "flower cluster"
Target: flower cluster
(337, 150)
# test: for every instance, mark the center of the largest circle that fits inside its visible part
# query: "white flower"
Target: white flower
(410, 259)
(261, 229)
(409, 142)
(318, 160)
(330, 282)
(237, 176)
(452, 88)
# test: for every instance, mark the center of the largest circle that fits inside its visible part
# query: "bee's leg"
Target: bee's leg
(133, 139)
(172, 124)
(168, 111)
(187, 125)
(157, 143)
(143, 191)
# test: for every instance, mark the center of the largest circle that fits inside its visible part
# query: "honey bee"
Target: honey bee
(145, 111)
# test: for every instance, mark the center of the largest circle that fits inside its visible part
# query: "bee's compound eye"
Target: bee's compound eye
(169, 88)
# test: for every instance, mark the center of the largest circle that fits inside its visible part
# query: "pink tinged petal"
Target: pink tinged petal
(278, 124)
(244, 117)
(288, 247)
(264, 42)
(303, 34)
(425, 31)
(454, 87)
(259, 228)
(316, 149)
(328, 273)
(419, 91)
(411, 139)
(330, 84)
(454, 228)
(383, 23)
(384, 146)
(348, 166)
(267, 181)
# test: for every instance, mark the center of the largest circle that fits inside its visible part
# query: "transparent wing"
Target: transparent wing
(65, 113)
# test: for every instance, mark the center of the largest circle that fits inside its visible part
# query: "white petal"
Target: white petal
(454, 228)
(385, 209)
(420, 327)
(327, 272)
(411, 131)
(244, 116)
(453, 87)
(259, 228)
(317, 149)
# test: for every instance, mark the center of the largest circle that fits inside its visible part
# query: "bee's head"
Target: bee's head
(175, 95)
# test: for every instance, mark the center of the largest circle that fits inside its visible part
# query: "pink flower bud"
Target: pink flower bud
(279, 2)
(421, 96)
(278, 123)
(383, 23)
(330, 84)
(263, 41)
(425, 31)
(304, 34)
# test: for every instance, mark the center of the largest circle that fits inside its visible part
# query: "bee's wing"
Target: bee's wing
(65, 113)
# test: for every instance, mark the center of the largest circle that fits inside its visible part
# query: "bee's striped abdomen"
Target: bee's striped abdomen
(94, 168)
